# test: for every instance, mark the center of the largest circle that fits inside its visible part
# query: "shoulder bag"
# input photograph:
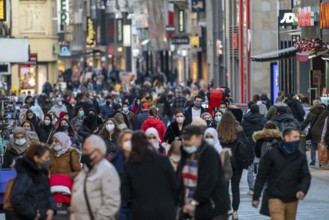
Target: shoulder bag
(86, 198)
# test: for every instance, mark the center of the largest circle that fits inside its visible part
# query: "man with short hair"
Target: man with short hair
(286, 173)
(96, 190)
(195, 111)
(204, 193)
(107, 108)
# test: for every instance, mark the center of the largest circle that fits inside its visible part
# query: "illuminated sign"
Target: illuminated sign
(2, 10)
(287, 18)
(198, 5)
(90, 40)
(181, 21)
(119, 32)
(126, 35)
(63, 14)
(324, 15)
(274, 81)
(305, 17)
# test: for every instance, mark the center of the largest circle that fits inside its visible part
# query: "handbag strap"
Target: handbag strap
(86, 198)
(324, 129)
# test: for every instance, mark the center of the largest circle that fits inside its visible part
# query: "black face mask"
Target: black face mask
(85, 159)
(147, 98)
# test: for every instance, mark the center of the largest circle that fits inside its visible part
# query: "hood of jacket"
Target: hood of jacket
(284, 116)
(316, 109)
(153, 122)
(266, 133)
(252, 118)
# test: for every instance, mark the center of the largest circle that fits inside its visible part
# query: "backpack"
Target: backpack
(266, 146)
(244, 154)
(6, 198)
(287, 123)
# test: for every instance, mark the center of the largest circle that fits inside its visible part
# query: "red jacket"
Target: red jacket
(157, 124)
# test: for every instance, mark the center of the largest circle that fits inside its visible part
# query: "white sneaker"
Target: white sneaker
(230, 212)
(235, 215)
(250, 192)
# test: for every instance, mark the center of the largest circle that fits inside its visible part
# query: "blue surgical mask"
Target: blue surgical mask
(218, 119)
(290, 147)
(190, 150)
(57, 148)
(64, 127)
(125, 109)
(223, 110)
(210, 141)
(82, 113)
(20, 142)
(197, 104)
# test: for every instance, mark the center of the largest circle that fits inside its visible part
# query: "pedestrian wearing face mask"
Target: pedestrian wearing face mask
(31, 134)
(58, 107)
(46, 130)
(130, 115)
(211, 137)
(204, 194)
(286, 172)
(31, 117)
(110, 134)
(30, 194)
(153, 137)
(96, 190)
(217, 117)
(154, 199)
(91, 124)
(154, 121)
(175, 128)
(16, 148)
(195, 111)
(148, 99)
(78, 120)
(65, 158)
(64, 125)
(207, 117)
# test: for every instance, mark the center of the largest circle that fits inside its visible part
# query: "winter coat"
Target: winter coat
(58, 109)
(296, 109)
(131, 119)
(156, 123)
(77, 122)
(10, 155)
(151, 186)
(45, 132)
(35, 122)
(67, 164)
(46, 106)
(266, 135)
(252, 122)
(188, 114)
(272, 112)
(285, 175)
(211, 192)
(31, 191)
(141, 117)
(286, 116)
(315, 118)
(103, 191)
(106, 111)
(172, 132)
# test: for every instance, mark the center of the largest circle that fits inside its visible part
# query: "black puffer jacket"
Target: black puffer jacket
(31, 192)
(284, 117)
(45, 133)
(252, 122)
(296, 109)
(284, 181)
(172, 132)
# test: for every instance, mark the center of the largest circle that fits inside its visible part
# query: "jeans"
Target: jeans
(313, 152)
(251, 171)
(280, 210)
(235, 187)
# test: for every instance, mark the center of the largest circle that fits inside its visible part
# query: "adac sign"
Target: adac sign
(324, 15)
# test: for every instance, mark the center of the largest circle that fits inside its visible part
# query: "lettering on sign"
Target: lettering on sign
(90, 40)
(63, 14)
(2, 10)
(287, 18)
(305, 17)
(324, 15)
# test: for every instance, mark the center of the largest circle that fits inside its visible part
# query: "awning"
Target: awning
(306, 56)
(275, 55)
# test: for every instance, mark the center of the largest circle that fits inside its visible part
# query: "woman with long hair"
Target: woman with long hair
(46, 129)
(229, 132)
(155, 199)
(175, 129)
(31, 134)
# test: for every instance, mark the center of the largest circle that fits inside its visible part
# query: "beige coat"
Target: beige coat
(103, 189)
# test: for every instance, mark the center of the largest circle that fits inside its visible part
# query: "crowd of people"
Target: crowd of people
(143, 155)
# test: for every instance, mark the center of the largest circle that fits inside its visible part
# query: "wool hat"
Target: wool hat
(254, 108)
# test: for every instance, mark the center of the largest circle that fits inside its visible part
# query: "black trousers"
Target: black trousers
(235, 188)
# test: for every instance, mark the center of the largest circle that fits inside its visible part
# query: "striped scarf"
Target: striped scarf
(190, 178)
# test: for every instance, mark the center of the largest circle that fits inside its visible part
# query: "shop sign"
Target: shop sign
(63, 14)
(2, 10)
(180, 40)
(198, 5)
(324, 15)
(33, 57)
(64, 50)
(235, 41)
(305, 17)
(195, 41)
(181, 21)
(90, 40)
(119, 30)
(126, 35)
(287, 18)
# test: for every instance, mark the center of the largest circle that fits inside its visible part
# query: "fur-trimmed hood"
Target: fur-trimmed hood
(266, 133)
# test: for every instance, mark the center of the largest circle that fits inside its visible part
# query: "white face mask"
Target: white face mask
(47, 122)
(210, 141)
(155, 143)
(175, 158)
(180, 119)
(110, 127)
(127, 146)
